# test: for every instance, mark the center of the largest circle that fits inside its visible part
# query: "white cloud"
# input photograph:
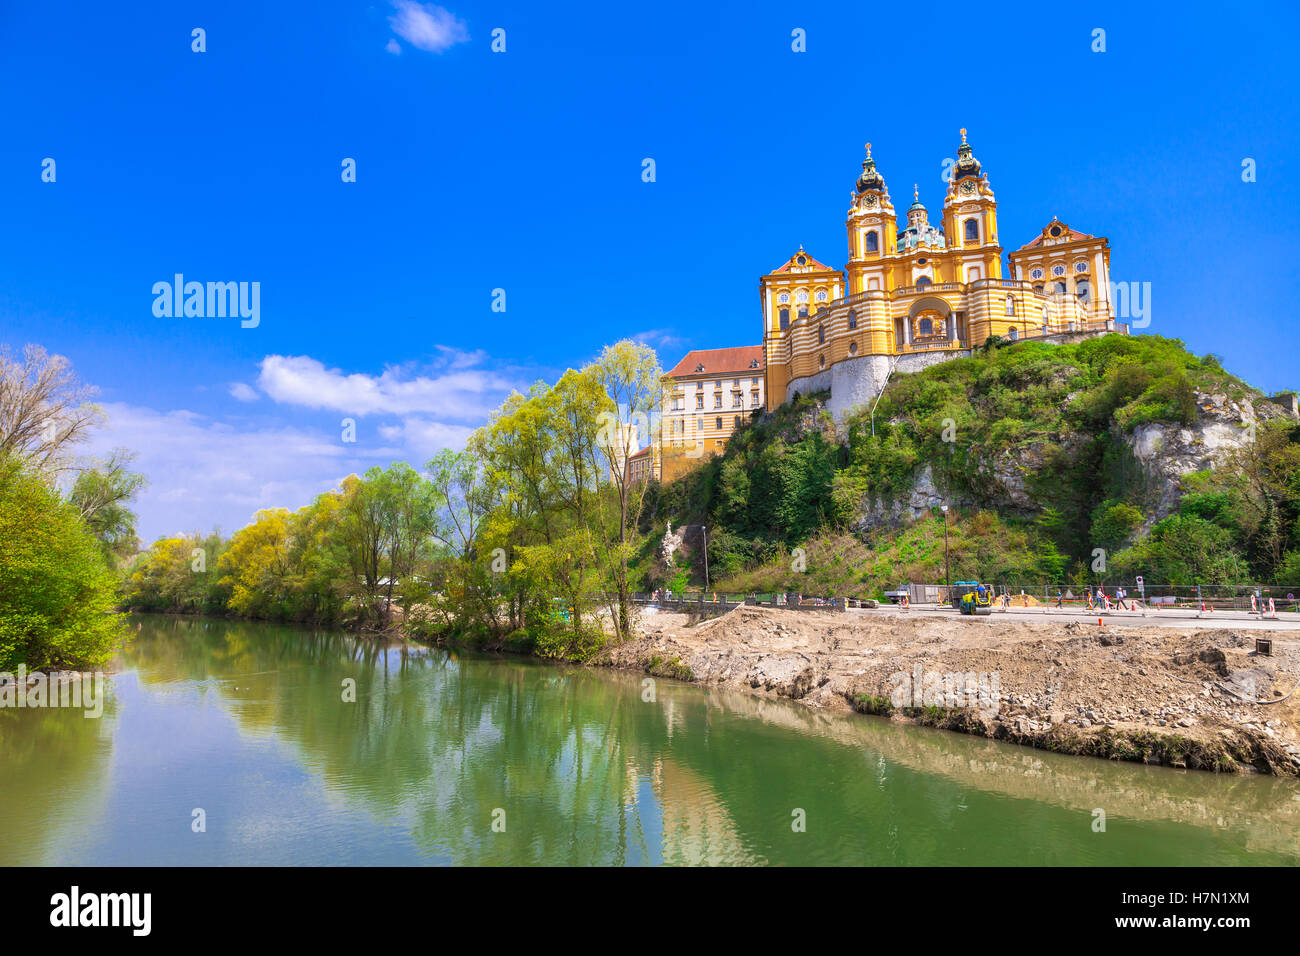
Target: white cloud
(425, 438)
(392, 46)
(427, 26)
(659, 338)
(243, 392)
(459, 391)
(204, 472)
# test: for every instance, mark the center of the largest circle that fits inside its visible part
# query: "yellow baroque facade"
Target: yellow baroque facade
(914, 293)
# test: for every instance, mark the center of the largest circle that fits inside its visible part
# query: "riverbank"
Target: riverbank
(1184, 697)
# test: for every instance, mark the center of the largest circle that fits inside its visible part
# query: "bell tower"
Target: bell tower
(971, 219)
(871, 228)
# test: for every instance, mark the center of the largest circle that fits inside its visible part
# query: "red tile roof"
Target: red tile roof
(731, 361)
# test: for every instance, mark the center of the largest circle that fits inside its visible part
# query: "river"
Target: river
(232, 743)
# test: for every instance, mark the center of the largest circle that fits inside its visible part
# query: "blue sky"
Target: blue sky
(522, 170)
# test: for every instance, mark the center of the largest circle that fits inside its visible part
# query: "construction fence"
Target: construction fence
(1203, 598)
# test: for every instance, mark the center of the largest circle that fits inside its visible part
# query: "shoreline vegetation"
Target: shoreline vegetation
(530, 540)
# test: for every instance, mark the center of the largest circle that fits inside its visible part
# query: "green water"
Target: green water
(248, 723)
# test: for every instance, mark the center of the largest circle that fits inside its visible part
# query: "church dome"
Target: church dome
(917, 205)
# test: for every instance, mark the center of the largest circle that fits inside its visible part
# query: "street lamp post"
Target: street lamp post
(947, 578)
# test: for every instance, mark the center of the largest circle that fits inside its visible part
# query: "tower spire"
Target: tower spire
(870, 179)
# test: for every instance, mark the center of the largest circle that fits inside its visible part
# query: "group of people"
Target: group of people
(1099, 599)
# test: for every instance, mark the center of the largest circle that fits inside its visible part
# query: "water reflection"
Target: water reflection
(444, 758)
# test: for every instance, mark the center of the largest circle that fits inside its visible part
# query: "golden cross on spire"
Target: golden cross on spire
(916, 192)
(963, 135)
(868, 150)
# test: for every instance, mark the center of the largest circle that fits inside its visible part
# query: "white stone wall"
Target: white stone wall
(857, 381)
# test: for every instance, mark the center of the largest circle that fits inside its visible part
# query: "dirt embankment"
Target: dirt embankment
(1189, 698)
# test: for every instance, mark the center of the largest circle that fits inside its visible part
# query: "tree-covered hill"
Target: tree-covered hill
(1047, 454)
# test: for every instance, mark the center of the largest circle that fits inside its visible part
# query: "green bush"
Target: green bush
(56, 591)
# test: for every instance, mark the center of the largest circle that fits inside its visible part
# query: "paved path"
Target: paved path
(1178, 617)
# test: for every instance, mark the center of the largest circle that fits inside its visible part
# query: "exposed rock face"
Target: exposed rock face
(671, 544)
(1168, 452)
(895, 512)
(1165, 453)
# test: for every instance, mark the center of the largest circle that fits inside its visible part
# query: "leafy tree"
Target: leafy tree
(56, 593)
(1113, 522)
(44, 409)
(100, 494)
(632, 381)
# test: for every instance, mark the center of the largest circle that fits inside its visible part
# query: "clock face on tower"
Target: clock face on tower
(869, 202)
(967, 188)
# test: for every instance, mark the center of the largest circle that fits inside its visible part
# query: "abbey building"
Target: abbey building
(915, 292)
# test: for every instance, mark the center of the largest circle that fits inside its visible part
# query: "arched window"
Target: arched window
(972, 230)
(1083, 290)
(873, 242)
(785, 318)
(1038, 287)
(1011, 305)
(803, 311)
(821, 335)
(1060, 288)
(926, 327)
(923, 281)
(1012, 333)
(853, 320)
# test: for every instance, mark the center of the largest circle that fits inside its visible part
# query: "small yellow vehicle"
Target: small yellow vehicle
(975, 598)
